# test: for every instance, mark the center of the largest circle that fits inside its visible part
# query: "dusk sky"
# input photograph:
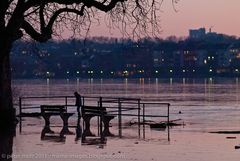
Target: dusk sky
(223, 15)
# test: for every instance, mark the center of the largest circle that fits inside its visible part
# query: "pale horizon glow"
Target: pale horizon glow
(221, 15)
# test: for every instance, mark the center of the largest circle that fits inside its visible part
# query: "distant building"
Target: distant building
(163, 58)
(223, 58)
(191, 59)
(233, 53)
(158, 59)
(197, 33)
(202, 58)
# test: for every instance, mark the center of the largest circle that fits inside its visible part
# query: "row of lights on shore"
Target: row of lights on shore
(91, 72)
(184, 71)
(139, 71)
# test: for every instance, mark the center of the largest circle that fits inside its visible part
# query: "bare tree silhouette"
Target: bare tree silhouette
(41, 19)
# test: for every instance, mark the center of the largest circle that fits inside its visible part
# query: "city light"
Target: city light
(238, 56)
(90, 72)
(136, 63)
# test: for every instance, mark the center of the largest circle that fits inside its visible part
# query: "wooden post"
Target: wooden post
(66, 103)
(20, 114)
(101, 118)
(83, 104)
(119, 118)
(98, 123)
(144, 121)
(139, 120)
(168, 119)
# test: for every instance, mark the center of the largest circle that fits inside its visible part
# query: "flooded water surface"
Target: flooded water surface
(211, 102)
(202, 105)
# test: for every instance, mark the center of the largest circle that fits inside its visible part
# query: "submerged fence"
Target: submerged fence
(122, 108)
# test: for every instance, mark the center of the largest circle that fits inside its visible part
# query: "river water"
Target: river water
(204, 103)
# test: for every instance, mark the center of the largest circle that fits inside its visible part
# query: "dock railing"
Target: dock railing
(120, 107)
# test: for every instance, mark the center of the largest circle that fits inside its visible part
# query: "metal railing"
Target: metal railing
(120, 107)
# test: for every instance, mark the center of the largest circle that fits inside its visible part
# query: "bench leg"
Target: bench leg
(106, 131)
(65, 129)
(46, 130)
(47, 120)
(87, 131)
(65, 120)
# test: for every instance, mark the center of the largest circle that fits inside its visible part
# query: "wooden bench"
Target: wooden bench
(88, 112)
(55, 110)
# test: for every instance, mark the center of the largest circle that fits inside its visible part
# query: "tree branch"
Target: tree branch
(62, 10)
(34, 3)
(89, 3)
(41, 16)
(3, 9)
(101, 6)
(34, 11)
(140, 13)
(41, 37)
(46, 31)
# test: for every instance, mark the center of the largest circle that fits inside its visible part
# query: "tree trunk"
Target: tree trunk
(6, 144)
(7, 112)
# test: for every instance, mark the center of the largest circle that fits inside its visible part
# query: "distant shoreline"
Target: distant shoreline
(162, 77)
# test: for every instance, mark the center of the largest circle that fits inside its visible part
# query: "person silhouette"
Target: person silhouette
(78, 103)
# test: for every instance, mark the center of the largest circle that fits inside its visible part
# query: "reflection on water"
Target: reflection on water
(172, 89)
(84, 135)
(209, 100)
(204, 103)
(49, 135)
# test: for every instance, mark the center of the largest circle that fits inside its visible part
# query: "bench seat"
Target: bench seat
(56, 110)
(88, 112)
